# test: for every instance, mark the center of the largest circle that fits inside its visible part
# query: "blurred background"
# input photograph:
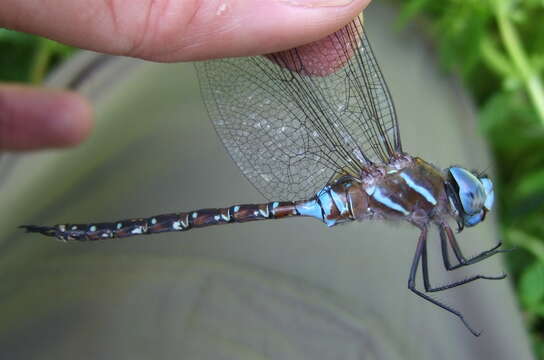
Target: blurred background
(496, 49)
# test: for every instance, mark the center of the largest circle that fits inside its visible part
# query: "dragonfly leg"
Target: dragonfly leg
(447, 237)
(412, 281)
(427, 282)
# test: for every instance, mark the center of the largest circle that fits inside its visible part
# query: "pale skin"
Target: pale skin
(34, 118)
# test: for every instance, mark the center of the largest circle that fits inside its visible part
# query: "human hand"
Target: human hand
(158, 30)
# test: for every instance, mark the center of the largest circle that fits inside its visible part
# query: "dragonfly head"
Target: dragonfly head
(471, 195)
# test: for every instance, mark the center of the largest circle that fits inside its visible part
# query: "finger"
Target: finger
(174, 30)
(32, 118)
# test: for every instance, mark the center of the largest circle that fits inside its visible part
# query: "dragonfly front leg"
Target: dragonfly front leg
(420, 251)
(427, 282)
(447, 237)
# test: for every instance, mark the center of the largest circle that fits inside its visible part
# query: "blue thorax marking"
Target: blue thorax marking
(418, 188)
(383, 199)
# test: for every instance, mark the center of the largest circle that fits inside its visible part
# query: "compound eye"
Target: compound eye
(489, 192)
(471, 191)
(474, 219)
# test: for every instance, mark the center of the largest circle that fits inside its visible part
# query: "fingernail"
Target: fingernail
(317, 3)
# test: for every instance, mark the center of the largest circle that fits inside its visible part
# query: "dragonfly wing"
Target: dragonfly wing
(293, 119)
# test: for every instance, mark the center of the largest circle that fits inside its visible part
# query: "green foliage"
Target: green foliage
(497, 47)
(531, 286)
(28, 58)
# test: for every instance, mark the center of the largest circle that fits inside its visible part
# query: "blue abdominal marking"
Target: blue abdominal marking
(327, 204)
(310, 208)
(342, 205)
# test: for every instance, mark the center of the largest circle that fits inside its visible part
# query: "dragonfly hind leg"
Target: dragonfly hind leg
(447, 237)
(422, 253)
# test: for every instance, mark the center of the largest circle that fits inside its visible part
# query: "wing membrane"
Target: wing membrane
(293, 119)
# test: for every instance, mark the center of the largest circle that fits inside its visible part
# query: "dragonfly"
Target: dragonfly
(315, 130)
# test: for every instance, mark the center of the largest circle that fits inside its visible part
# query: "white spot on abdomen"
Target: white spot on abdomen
(176, 225)
(137, 230)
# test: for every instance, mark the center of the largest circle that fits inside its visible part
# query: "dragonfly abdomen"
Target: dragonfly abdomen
(168, 222)
(332, 205)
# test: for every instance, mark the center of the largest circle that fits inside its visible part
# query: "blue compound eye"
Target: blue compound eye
(471, 190)
(490, 193)
(471, 220)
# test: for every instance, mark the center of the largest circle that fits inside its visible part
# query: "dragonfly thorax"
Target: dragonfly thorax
(471, 195)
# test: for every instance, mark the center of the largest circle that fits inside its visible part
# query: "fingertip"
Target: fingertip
(71, 122)
(34, 118)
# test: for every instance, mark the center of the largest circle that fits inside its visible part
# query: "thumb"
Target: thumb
(181, 30)
(263, 27)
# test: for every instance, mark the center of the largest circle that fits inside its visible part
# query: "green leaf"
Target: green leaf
(495, 59)
(526, 241)
(534, 4)
(496, 111)
(531, 286)
(16, 37)
(410, 10)
(538, 309)
(531, 183)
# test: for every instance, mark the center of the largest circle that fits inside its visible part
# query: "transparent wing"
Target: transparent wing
(293, 120)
